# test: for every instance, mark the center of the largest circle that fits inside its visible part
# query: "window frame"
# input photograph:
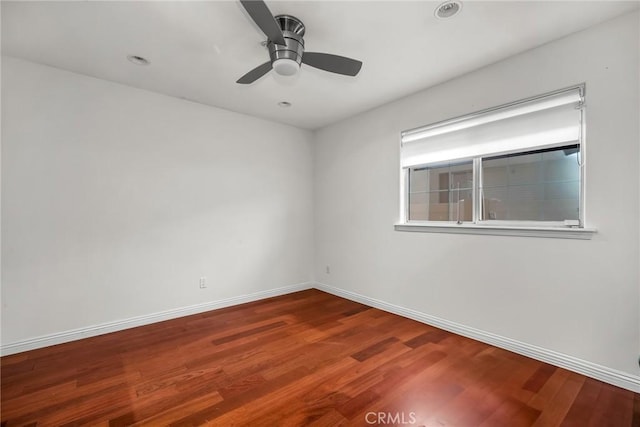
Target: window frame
(502, 227)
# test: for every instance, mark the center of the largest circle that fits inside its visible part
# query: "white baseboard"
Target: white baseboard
(118, 325)
(589, 369)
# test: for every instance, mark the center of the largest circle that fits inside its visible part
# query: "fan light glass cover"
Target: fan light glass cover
(285, 66)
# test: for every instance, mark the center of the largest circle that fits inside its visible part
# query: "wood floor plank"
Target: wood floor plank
(166, 417)
(427, 337)
(331, 418)
(613, 407)
(584, 403)
(481, 395)
(303, 359)
(540, 377)
(635, 422)
(512, 413)
(554, 413)
(549, 390)
(374, 349)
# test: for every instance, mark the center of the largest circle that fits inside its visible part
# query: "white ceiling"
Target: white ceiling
(199, 49)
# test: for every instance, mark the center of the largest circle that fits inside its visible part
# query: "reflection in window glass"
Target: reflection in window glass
(542, 185)
(441, 193)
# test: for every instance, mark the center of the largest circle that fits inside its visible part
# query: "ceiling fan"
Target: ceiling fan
(286, 46)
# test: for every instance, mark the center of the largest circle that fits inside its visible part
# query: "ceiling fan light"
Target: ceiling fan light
(286, 66)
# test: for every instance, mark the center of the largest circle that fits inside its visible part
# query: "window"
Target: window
(517, 165)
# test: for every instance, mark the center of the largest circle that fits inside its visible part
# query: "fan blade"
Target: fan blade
(262, 16)
(332, 63)
(255, 74)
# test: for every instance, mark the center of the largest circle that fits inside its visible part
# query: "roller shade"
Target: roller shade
(532, 124)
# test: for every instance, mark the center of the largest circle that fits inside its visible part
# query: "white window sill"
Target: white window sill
(494, 230)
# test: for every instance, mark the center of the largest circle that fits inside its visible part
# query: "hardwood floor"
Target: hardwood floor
(303, 359)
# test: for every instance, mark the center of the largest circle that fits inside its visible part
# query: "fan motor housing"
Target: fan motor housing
(293, 32)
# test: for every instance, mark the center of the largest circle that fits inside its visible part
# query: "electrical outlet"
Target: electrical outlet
(203, 282)
(328, 270)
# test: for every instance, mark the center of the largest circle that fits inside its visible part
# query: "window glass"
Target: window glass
(441, 193)
(541, 185)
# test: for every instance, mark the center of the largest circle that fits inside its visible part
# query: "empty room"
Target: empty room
(320, 213)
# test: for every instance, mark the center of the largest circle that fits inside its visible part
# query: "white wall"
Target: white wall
(116, 200)
(580, 298)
